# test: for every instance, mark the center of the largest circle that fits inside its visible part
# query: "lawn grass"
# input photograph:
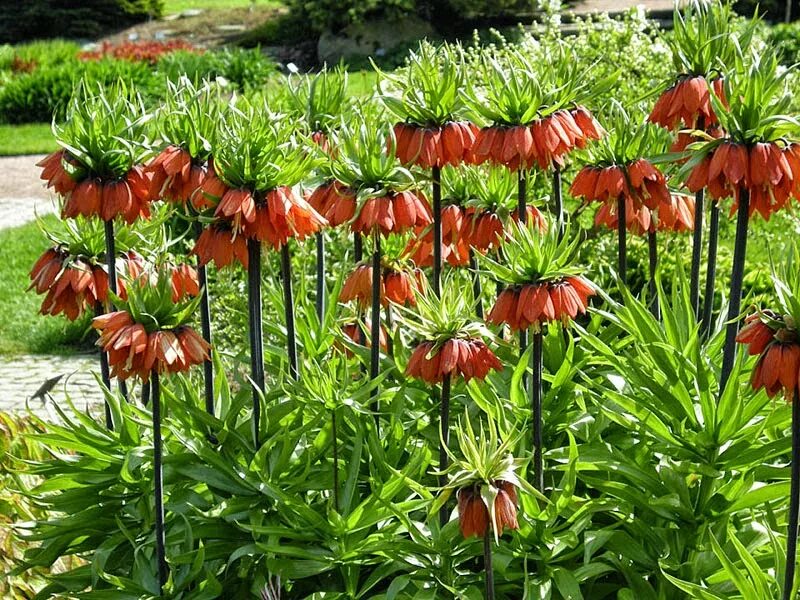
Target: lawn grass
(32, 138)
(176, 6)
(22, 329)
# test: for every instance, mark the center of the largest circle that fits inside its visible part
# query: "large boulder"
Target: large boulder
(372, 38)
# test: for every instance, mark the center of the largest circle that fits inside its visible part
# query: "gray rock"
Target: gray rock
(373, 38)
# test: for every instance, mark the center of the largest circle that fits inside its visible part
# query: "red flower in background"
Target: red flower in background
(544, 142)
(455, 247)
(396, 212)
(675, 215)
(430, 147)
(640, 181)
(211, 190)
(148, 51)
(222, 245)
(778, 349)
(473, 515)
(174, 176)
(686, 102)
(132, 351)
(536, 304)
(54, 173)
(397, 286)
(184, 282)
(335, 202)
(485, 230)
(768, 172)
(468, 358)
(354, 331)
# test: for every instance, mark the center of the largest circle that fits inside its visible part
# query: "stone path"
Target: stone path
(22, 197)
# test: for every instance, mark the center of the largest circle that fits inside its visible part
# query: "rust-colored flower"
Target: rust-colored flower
(396, 212)
(222, 245)
(132, 351)
(282, 215)
(485, 230)
(211, 190)
(473, 515)
(174, 175)
(768, 172)
(777, 345)
(534, 305)
(467, 358)
(184, 282)
(686, 102)
(429, 147)
(398, 286)
(639, 181)
(354, 331)
(127, 197)
(335, 202)
(54, 173)
(544, 142)
(72, 284)
(676, 215)
(455, 246)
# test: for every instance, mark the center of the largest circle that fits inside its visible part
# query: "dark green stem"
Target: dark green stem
(794, 502)
(288, 304)
(158, 482)
(536, 410)
(256, 332)
(444, 441)
(711, 271)
(436, 175)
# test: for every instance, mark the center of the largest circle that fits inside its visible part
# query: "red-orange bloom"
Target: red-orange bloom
(455, 246)
(536, 304)
(473, 515)
(397, 286)
(128, 197)
(485, 230)
(396, 212)
(211, 189)
(770, 175)
(778, 366)
(220, 244)
(675, 215)
(434, 146)
(686, 102)
(132, 351)
(72, 284)
(639, 180)
(756, 334)
(174, 177)
(334, 201)
(184, 282)
(544, 142)
(467, 358)
(54, 173)
(282, 215)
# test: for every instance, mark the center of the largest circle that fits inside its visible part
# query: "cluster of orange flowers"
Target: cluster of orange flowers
(770, 174)
(473, 515)
(544, 142)
(133, 351)
(128, 197)
(644, 190)
(778, 347)
(74, 284)
(687, 102)
(397, 286)
(533, 305)
(431, 147)
(468, 358)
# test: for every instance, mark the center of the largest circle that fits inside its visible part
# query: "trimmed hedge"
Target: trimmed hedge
(34, 19)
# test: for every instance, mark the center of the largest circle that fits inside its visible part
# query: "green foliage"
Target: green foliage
(785, 38)
(335, 15)
(36, 19)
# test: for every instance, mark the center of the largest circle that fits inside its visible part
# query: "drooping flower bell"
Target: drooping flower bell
(399, 284)
(334, 201)
(542, 286)
(776, 342)
(60, 171)
(455, 245)
(451, 344)
(485, 481)
(687, 102)
(154, 336)
(359, 334)
(220, 243)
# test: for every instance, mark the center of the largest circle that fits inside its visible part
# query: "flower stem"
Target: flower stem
(205, 327)
(320, 299)
(375, 323)
(111, 267)
(536, 410)
(476, 283)
(444, 440)
(158, 481)
(652, 247)
(697, 252)
(488, 569)
(358, 255)
(105, 373)
(558, 203)
(622, 240)
(256, 331)
(335, 461)
(436, 176)
(735, 298)
(522, 217)
(288, 303)
(389, 330)
(145, 395)
(794, 502)
(711, 270)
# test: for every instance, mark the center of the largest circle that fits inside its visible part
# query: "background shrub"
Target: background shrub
(335, 15)
(20, 21)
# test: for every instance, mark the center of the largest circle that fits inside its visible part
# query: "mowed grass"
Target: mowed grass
(32, 138)
(22, 329)
(176, 6)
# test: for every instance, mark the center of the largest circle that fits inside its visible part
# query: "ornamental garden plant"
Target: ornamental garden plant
(439, 384)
